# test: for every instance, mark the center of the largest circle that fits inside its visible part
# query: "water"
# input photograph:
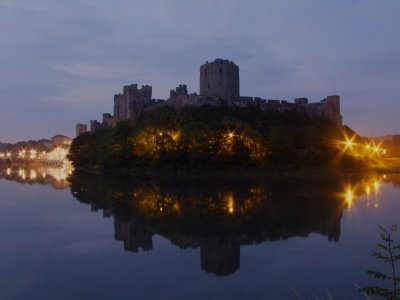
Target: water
(111, 238)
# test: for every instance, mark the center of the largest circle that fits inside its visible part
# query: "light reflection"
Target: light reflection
(376, 199)
(230, 203)
(368, 190)
(21, 173)
(177, 207)
(353, 192)
(349, 196)
(376, 186)
(33, 175)
(56, 176)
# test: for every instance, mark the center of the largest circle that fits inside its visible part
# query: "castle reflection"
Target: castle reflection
(217, 217)
(220, 217)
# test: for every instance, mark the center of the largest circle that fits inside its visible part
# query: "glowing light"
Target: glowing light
(230, 204)
(8, 171)
(2, 155)
(21, 173)
(376, 186)
(377, 149)
(8, 154)
(33, 175)
(368, 190)
(33, 154)
(368, 146)
(384, 176)
(176, 206)
(176, 136)
(349, 143)
(44, 175)
(58, 154)
(349, 196)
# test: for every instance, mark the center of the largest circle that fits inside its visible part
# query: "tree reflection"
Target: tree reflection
(217, 216)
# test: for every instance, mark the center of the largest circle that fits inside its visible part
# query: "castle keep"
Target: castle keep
(221, 78)
(219, 85)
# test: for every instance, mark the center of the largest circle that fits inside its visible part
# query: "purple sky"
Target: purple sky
(62, 61)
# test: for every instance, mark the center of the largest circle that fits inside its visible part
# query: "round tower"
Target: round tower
(220, 78)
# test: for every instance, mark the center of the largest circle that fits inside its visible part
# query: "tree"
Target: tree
(385, 252)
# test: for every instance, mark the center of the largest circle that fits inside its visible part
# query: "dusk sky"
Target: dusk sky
(61, 61)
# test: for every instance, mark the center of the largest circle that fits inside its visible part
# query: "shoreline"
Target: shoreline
(317, 174)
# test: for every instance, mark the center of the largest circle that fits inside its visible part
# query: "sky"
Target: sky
(61, 61)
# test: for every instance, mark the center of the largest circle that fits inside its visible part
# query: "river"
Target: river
(81, 236)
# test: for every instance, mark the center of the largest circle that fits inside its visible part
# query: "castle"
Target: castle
(219, 85)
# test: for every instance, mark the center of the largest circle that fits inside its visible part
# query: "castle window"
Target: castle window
(220, 70)
(208, 85)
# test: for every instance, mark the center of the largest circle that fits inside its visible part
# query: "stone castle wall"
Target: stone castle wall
(219, 85)
(132, 102)
(220, 78)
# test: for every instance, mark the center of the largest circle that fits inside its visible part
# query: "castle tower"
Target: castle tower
(220, 259)
(332, 109)
(130, 104)
(220, 78)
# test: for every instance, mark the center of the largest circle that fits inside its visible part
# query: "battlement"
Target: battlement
(220, 78)
(219, 85)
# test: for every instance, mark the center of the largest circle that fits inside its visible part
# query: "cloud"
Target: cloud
(55, 51)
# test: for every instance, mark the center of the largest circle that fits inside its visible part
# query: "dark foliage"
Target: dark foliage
(387, 252)
(208, 137)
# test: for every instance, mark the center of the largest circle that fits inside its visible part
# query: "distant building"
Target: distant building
(80, 128)
(60, 140)
(46, 143)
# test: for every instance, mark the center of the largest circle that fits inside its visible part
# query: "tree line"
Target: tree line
(209, 137)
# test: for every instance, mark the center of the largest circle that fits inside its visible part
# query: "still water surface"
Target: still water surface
(111, 238)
